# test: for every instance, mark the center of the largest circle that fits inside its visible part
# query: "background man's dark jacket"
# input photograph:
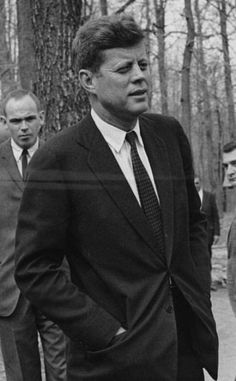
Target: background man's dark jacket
(209, 207)
(78, 203)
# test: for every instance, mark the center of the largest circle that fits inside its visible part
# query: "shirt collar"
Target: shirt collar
(200, 192)
(17, 150)
(114, 136)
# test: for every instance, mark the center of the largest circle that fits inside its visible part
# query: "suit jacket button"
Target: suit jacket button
(169, 309)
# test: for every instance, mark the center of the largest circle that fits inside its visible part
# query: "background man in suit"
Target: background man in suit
(20, 322)
(209, 207)
(116, 195)
(229, 164)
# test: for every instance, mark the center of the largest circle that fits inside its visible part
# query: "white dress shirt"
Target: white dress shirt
(120, 148)
(17, 152)
(200, 193)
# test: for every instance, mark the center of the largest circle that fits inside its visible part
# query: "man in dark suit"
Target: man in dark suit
(116, 196)
(229, 165)
(209, 207)
(20, 321)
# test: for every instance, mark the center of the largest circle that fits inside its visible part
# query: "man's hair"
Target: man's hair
(97, 35)
(18, 94)
(231, 146)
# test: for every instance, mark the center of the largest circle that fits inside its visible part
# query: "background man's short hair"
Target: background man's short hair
(18, 94)
(229, 146)
(97, 35)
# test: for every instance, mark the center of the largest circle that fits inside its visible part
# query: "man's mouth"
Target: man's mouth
(139, 92)
(25, 136)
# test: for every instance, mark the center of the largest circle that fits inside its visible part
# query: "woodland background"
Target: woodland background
(192, 52)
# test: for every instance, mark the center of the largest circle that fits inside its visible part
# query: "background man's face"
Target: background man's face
(197, 183)
(229, 164)
(23, 120)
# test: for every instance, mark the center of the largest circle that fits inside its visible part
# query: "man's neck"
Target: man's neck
(122, 124)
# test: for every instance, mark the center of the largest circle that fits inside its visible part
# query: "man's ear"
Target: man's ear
(41, 117)
(86, 79)
(3, 119)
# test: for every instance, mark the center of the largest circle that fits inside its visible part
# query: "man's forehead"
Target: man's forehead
(229, 156)
(126, 53)
(22, 106)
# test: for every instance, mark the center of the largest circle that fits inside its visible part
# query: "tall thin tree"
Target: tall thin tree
(227, 68)
(188, 51)
(26, 56)
(159, 7)
(205, 113)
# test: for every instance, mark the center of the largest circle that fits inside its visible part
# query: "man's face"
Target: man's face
(23, 120)
(197, 183)
(121, 85)
(229, 164)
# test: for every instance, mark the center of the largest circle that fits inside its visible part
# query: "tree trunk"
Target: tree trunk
(227, 69)
(103, 7)
(55, 23)
(7, 65)
(148, 47)
(185, 96)
(206, 120)
(159, 7)
(26, 44)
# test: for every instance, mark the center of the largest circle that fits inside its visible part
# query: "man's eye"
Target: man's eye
(123, 69)
(30, 118)
(27, 119)
(15, 121)
(143, 65)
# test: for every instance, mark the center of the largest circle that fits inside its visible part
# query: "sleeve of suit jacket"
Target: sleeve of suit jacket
(41, 244)
(231, 265)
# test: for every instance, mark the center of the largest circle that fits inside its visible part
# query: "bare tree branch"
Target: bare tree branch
(126, 5)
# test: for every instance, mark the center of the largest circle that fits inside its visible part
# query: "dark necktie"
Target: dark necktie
(24, 161)
(147, 195)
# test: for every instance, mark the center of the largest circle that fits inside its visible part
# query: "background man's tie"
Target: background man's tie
(147, 195)
(24, 162)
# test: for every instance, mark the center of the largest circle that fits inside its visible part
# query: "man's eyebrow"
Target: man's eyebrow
(29, 117)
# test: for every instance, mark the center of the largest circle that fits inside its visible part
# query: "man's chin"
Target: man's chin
(229, 184)
(140, 110)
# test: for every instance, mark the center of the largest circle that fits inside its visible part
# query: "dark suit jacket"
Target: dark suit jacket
(77, 203)
(209, 207)
(11, 190)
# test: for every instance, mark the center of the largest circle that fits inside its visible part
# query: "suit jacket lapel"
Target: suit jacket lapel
(109, 174)
(158, 157)
(8, 161)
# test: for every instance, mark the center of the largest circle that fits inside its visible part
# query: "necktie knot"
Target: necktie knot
(24, 152)
(131, 137)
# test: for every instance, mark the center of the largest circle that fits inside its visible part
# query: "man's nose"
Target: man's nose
(24, 125)
(231, 169)
(137, 72)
